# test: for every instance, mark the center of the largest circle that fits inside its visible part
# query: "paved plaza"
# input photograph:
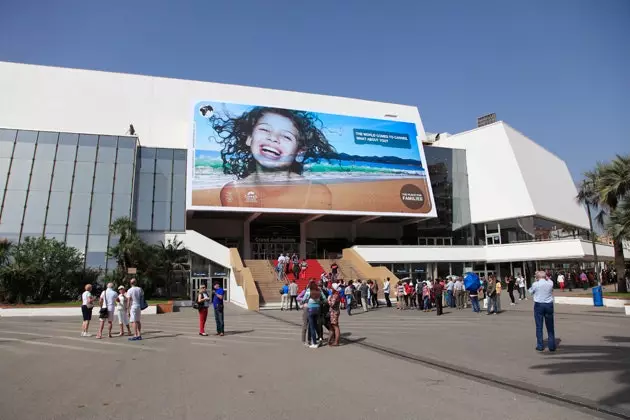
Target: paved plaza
(392, 365)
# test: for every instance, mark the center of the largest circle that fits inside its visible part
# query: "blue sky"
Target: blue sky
(556, 70)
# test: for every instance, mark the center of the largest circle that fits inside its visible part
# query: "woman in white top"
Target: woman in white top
(87, 303)
(121, 311)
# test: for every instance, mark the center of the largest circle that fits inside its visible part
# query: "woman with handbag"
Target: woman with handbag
(203, 303)
(334, 301)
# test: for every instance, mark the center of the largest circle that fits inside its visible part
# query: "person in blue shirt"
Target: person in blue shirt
(542, 291)
(217, 303)
(284, 302)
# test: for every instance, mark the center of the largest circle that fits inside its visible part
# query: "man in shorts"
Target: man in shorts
(107, 304)
(135, 295)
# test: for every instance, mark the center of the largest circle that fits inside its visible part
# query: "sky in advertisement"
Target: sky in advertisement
(555, 70)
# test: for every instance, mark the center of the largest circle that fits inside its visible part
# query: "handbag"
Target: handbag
(103, 313)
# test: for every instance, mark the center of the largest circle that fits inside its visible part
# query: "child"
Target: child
(266, 149)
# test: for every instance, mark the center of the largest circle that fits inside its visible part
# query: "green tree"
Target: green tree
(173, 257)
(130, 249)
(606, 189)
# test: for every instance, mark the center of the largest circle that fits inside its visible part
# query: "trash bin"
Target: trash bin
(598, 299)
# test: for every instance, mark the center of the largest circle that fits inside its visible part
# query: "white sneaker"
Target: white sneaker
(83, 334)
(313, 346)
(512, 304)
(306, 344)
(87, 335)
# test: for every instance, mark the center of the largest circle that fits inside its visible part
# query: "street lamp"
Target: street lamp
(597, 267)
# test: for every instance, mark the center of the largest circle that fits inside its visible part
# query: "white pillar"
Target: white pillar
(499, 226)
(450, 269)
(511, 269)
(485, 270)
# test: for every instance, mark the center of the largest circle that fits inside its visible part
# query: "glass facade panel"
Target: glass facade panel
(121, 206)
(144, 215)
(83, 177)
(97, 243)
(87, 148)
(145, 187)
(178, 216)
(7, 139)
(20, 174)
(77, 241)
(35, 214)
(104, 178)
(58, 208)
(25, 145)
(147, 160)
(179, 188)
(4, 173)
(79, 213)
(106, 149)
(62, 176)
(96, 259)
(67, 147)
(13, 210)
(46, 146)
(126, 150)
(161, 215)
(99, 220)
(162, 190)
(42, 175)
(124, 178)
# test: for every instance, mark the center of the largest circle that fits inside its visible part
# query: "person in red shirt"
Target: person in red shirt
(408, 293)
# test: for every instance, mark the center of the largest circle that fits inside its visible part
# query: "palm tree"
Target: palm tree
(173, 257)
(128, 251)
(619, 223)
(606, 189)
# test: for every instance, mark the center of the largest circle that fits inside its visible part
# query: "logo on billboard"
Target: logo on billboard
(412, 196)
(267, 159)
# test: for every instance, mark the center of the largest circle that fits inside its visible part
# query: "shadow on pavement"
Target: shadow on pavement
(590, 359)
(235, 332)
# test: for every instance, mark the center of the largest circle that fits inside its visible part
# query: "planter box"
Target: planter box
(50, 311)
(627, 310)
(165, 308)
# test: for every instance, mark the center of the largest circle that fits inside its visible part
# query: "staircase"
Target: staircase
(265, 279)
(346, 270)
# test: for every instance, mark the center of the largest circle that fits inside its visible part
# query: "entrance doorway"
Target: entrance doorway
(209, 282)
(272, 250)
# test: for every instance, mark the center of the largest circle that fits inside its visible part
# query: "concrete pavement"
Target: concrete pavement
(258, 370)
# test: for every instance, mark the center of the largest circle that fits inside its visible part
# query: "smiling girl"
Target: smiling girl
(265, 148)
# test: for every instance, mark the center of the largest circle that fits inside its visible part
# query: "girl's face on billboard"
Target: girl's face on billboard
(274, 142)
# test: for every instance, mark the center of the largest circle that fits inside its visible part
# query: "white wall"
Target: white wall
(564, 249)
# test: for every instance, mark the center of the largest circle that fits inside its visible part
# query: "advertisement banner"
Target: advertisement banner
(264, 159)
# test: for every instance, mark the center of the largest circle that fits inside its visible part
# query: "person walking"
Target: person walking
(474, 300)
(459, 293)
(334, 271)
(107, 303)
(491, 295)
(520, 283)
(313, 300)
(364, 289)
(121, 311)
(334, 302)
(349, 294)
(561, 281)
(306, 334)
(400, 292)
(510, 286)
(303, 267)
(386, 292)
(374, 293)
(87, 303)
(219, 314)
(136, 296)
(293, 294)
(542, 290)
(499, 289)
(295, 265)
(284, 297)
(203, 300)
(426, 297)
(438, 289)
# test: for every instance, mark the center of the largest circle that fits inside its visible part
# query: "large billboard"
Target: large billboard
(266, 159)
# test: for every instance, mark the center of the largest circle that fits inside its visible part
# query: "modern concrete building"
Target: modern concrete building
(69, 167)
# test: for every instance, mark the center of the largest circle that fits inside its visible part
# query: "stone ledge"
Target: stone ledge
(58, 311)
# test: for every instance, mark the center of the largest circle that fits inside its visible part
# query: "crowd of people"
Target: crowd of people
(125, 305)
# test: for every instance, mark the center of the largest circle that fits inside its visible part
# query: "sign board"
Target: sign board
(132, 270)
(264, 159)
(486, 120)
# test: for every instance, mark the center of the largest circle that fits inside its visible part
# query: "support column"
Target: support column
(247, 237)
(511, 269)
(450, 269)
(485, 270)
(353, 232)
(303, 224)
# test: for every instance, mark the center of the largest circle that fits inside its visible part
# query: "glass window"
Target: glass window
(179, 167)
(58, 208)
(162, 187)
(62, 176)
(42, 175)
(9, 230)
(97, 243)
(179, 188)
(99, 220)
(4, 172)
(164, 154)
(124, 179)
(111, 264)
(20, 174)
(83, 177)
(147, 160)
(79, 213)
(126, 150)
(7, 139)
(161, 215)
(87, 148)
(121, 206)
(178, 216)
(35, 215)
(77, 241)
(106, 149)
(145, 187)
(67, 148)
(55, 229)
(104, 177)
(26, 234)
(61, 237)
(46, 146)
(95, 259)
(144, 215)
(25, 145)
(13, 209)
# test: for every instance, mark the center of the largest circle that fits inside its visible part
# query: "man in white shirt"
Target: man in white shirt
(386, 292)
(107, 304)
(136, 297)
(561, 281)
(520, 282)
(542, 290)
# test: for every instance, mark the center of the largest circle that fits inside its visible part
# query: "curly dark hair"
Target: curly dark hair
(234, 131)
